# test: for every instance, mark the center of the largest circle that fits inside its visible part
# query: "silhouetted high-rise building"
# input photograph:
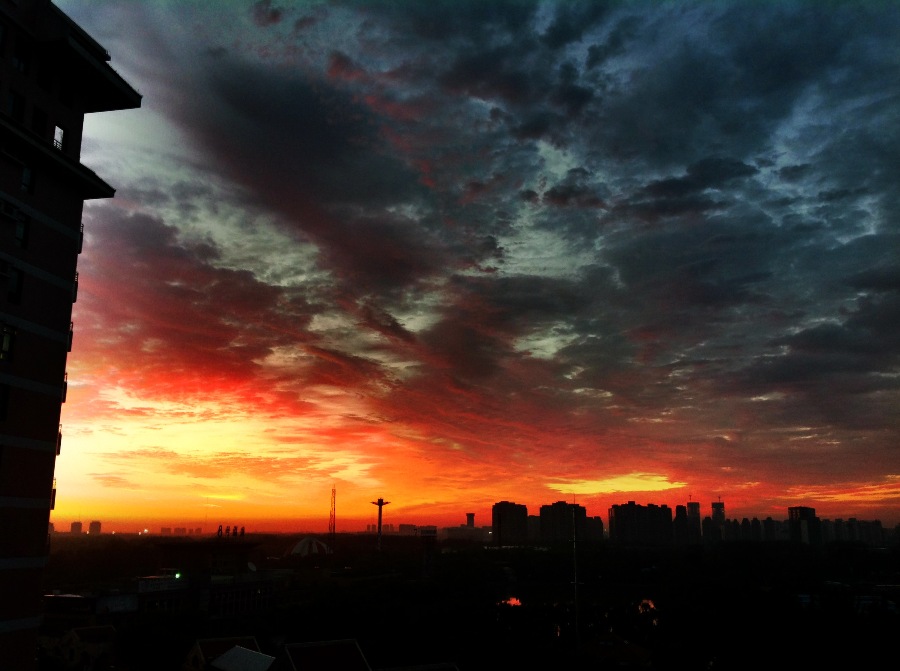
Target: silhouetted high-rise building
(718, 513)
(687, 525)
(51, 74)
(509, 523)
(804, 526)
(561, 521)
(94, 528)
(694, 523)
(631, 524)
(714, 527)
(679, 526)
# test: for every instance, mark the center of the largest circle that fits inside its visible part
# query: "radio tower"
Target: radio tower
(381, 503)
(331, 526)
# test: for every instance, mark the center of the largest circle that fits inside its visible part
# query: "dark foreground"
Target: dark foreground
(419, 601)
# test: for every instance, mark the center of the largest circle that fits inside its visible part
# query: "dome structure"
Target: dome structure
(308, 546)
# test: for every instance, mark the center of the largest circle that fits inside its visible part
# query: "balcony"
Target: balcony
(59, 138)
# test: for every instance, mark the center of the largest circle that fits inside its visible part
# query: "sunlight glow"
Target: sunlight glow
(631, 482)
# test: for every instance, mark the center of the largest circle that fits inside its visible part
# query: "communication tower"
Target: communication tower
(381, 503)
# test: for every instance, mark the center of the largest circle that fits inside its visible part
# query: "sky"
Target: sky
(449, 253)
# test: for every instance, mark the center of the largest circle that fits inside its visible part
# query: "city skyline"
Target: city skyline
(450, 252)
(361, 525)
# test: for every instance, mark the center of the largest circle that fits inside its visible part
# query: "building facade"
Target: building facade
(633, 524)
(560, 520)
(51, 74)
(804, 526)
(509, 523)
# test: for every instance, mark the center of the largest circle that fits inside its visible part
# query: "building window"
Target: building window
(66, 94)
(59, 137)
(44, 75)
(27, 179)
(21, 58)
(15, 106)
(7, 337)
(39, 121)
(13, 278)
(22, 225)
(15, 285)
(20, 221)
(8, 210)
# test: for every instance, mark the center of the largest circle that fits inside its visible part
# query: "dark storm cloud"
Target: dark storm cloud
(266, 14)
(314, 153)
(214, 321)
(577, 189)
(701, 117)
(615, 42)
(572, 20)
(456, 21)
(736, 80)
(318, 143)
(378, 254)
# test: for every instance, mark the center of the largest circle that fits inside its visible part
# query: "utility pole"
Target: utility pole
(381, 503)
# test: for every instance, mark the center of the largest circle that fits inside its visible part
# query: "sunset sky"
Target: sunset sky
(451, 253)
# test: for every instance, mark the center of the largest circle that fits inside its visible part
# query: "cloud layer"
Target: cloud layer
(508, 250)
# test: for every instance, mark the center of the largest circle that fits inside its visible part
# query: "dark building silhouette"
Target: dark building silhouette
(718, 512)
(694, 523)
(804, 526)
(715, 527)
(509, 523)
(852, 530)
(632, 524)
(561, 520)
(534, 528)
(755, 530)
(680, 526)
(53, 73)
(769, 530)
(593, 529)
(564, 522)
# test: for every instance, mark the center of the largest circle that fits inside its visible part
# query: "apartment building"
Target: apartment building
(52, 73)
